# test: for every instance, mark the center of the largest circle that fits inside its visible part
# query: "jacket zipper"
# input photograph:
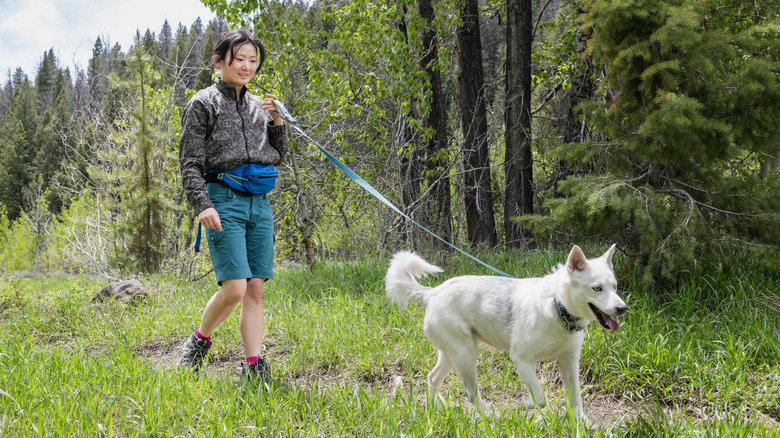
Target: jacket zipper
(243, 129)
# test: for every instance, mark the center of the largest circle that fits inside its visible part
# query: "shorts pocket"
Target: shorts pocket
(214, 237)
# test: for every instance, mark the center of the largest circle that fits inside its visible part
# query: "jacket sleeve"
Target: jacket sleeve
(277, 137)
(192, 154)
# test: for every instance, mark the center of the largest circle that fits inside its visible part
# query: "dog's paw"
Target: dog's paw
(484, 409)
(584, 422)
(578, 415)
(529, 403)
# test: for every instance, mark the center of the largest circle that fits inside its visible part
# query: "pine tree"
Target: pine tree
(14, 174)
(203, 78)
(52, 137)
(17, 147)
(688, 94)
(80, 99)
(151, 46)
(38, 215)
(115, 61)
(178, 52)
(6, 95)
(62, 85)
(166, 40)
(136, 177)
(97, 75)
(45, 80)
(17, 78)
(195, 53)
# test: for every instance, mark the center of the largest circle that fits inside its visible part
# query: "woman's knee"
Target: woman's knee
(254, 290)
(233, 291)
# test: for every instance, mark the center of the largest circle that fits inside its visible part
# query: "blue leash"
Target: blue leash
(369, 188)
(197, 239)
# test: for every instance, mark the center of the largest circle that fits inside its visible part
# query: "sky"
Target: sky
(28, 28)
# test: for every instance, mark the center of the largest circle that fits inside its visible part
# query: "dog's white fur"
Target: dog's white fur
(515, 315)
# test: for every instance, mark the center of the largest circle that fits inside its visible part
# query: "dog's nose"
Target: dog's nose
(621, 310)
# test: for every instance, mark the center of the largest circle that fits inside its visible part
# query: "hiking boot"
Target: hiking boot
(258, 371)
(194, 351)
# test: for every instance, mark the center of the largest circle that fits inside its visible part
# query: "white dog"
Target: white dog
(535, 319)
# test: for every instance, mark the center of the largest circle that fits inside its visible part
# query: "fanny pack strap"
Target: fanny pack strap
(221, 175)
(250, 178)
(235, 178)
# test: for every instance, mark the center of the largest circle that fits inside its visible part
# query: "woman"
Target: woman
(224, 127)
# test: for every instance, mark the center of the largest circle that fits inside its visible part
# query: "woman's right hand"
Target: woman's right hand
(210, 219)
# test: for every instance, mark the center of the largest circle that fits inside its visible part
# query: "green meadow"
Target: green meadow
(700, 360)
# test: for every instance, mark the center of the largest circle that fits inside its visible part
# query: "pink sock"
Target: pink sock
(205, 338)
(252, 360)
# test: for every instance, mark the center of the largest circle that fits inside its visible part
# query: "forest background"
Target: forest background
(525, 123)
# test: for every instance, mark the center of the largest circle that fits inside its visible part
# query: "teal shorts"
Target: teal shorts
(245, 246)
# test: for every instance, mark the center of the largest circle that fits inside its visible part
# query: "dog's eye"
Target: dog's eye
(597, 288)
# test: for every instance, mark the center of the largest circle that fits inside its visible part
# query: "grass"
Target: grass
(700, 362)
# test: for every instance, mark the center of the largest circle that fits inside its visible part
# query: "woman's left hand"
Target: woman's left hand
(270, 106)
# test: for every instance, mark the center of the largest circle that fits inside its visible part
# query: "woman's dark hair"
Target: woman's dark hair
(232, 41)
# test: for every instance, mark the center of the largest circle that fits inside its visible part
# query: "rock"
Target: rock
(125, 291)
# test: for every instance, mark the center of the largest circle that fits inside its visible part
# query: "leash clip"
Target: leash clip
(284, 113)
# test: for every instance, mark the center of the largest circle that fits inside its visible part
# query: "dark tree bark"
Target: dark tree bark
(411, 172)
(303, 212)
(480, 219)
(518, 198)
(412, 157)
(440, 214)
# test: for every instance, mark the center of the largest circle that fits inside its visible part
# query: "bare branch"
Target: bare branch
(550, 96)
(539, 18)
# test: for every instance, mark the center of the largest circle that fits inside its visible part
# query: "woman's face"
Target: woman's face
(239, 72)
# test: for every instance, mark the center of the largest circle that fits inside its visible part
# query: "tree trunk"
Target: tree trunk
(518, 198)
(478, 197)
(410, 175)
(303, 212)
(411, 171)
(438, 207)
(769, 163)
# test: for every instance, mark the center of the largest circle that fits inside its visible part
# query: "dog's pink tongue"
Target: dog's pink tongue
(611, 322)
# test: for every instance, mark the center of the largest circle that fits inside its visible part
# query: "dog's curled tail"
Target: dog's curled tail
(400, 282)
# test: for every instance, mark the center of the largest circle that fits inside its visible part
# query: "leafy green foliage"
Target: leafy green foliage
(685, 103)
(11, 298)
(349, 73)
(17, 248)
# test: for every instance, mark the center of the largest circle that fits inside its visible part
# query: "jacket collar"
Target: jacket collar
(569, 320)
(228, 90)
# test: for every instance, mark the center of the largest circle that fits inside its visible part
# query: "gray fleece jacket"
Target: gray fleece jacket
(220, 132)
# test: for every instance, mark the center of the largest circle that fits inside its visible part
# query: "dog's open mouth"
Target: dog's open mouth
(605, 320)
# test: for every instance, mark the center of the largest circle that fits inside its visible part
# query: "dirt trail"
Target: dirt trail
(601, 409)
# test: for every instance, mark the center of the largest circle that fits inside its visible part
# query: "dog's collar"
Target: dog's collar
(569, 320)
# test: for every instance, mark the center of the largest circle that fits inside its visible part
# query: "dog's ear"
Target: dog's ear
(576, 260)
(610, 252)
